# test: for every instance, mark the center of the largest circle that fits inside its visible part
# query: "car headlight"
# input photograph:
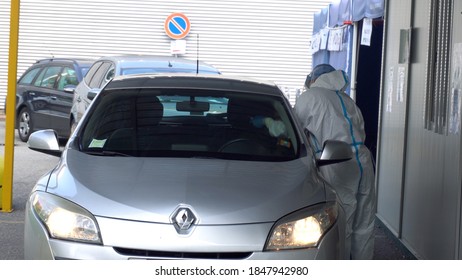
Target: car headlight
(302, 229)
(64, 219)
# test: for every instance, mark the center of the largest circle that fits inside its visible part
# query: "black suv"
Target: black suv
(45, 93)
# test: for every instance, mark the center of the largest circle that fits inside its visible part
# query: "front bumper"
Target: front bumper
(125, 240)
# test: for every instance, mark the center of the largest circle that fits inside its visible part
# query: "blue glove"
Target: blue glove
(258, 121)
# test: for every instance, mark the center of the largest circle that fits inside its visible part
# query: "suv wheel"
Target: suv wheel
(24, 124)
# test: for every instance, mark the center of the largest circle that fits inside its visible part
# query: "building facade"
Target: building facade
(264, 39)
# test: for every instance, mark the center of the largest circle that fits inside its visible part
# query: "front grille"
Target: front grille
(181, 255)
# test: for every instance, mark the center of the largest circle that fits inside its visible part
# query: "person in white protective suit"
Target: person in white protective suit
(328, 112)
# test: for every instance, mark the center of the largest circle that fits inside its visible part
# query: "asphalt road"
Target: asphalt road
(30, 165)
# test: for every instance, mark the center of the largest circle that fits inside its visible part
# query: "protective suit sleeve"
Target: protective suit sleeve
(304, 108)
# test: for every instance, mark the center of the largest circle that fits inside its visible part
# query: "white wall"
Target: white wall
(265, 39)
(418, 170)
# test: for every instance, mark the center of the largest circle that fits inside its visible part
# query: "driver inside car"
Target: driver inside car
(276, 128)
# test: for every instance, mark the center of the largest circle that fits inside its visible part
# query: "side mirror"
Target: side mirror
(93, 93)
(45, 141)
(335, 151)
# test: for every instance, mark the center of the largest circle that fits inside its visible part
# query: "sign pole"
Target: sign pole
(6, 188)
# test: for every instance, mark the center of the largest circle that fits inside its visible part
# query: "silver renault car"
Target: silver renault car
(186, 167)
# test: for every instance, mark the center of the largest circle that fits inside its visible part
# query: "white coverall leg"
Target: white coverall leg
(358, 199)
(362, 239)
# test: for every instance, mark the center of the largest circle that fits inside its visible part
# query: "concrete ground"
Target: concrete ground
(387, 246)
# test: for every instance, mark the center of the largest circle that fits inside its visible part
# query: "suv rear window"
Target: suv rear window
(29, 76)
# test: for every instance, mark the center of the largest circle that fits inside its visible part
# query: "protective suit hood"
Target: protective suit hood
(335, 80)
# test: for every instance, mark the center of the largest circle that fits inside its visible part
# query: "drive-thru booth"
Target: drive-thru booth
(348, 34)
(418, 77)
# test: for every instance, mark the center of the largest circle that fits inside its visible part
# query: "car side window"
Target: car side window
(110, 74)
(49, 77)
(28, 77)
(91, 72)
(98, 78)
(67, 78)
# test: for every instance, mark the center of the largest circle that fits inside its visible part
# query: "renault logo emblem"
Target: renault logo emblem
(183, 219)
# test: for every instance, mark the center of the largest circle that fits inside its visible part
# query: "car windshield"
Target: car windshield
(189, 123)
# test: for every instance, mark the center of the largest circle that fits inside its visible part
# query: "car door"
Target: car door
(61, 100)
(81, 91)
(40, 94)
(25, 86)
(98, 80)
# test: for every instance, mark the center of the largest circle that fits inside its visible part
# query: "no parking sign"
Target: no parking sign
(177, 26)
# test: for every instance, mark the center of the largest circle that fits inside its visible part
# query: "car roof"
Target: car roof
(137, 61)
(194, 81)
(78, 61)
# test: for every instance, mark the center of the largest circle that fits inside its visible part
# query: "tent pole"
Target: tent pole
(354, 61)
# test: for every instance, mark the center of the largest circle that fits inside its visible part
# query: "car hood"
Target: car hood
(218, 191)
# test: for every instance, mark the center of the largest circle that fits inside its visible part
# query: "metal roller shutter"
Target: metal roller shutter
(265, 39)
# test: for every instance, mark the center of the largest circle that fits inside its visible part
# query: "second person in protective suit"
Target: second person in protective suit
(328, 112)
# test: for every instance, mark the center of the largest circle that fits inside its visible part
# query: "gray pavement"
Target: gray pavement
(30, 165)
(387, 246)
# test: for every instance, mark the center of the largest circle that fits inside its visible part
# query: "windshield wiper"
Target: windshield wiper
(107, 153)
(206, 157)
